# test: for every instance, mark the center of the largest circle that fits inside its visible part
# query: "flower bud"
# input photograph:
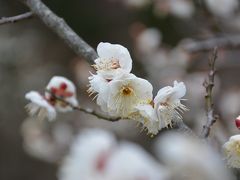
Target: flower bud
(237, 122)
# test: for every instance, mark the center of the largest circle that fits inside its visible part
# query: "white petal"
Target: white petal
(124, 104)
(115, 51)
(39, 106)
(97, 82)
(163, 94)
(56, 81)
(143, 88)
(179, 90)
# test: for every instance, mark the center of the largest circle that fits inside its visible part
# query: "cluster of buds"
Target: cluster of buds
(60, 96)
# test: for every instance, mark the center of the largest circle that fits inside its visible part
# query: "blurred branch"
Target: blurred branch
(209, 84)
(231, 41)
(182, 127)
(13, 19)
(85, 110)
(60, 27)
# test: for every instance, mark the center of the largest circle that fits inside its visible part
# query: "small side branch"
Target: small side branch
(61, 28)
(230, 41)
(85, 110)
(13, 19)
(209, 84)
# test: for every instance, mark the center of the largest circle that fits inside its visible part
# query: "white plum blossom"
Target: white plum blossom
(222, 8)
(39, 106)
(113, 60)
(165, 107)
(63, 88)
(149, 40)
(146, 115)
(95, 155)
(125, 92)
(178, 8)
(46, 106)
(231, 151)
(88, 156)
(181, 8)
(190, 158)
(167, 103)
(131, 162)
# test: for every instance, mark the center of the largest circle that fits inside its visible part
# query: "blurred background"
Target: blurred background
(154, 31)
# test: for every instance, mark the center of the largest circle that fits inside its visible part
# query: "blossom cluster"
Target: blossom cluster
(47, 105)
(120, 93)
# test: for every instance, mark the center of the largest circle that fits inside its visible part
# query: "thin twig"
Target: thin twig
(13, 19)
(85, 110)
(180, 125)
(209, 84)
(229, 41)
(61, 28)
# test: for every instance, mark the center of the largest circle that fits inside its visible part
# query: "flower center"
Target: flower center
(107, 65)
(126, 90)
(115, 64)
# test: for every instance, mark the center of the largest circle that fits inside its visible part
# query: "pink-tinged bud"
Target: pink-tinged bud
(237, 122)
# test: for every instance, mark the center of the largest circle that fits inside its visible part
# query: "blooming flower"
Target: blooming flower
(39, 106)
(145, 114)
(178, 8)
(167, 103)
(95, 155)
(187, 157)
(125, 92)
(222, 8)
(88, 156)
(166, 106)
(63, 88)
(113, 59)
(45, 106)
(231, 150)
(131, 162)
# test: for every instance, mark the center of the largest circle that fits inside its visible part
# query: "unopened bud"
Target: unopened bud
(237, 122)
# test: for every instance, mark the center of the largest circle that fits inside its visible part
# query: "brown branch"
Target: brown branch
(209, 84)
(60, 27)
(230, 41)
(13, 19)
(79, 108)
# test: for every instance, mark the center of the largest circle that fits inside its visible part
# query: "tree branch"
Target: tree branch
(13, 19)
(231, 41)
(209, 84)
(60, 27)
